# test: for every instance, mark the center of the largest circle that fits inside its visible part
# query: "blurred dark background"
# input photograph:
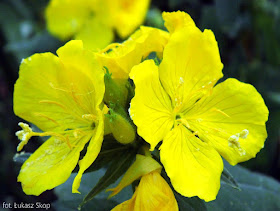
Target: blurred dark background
(248, 35)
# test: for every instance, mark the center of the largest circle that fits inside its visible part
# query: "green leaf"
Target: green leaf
(154, 18)
(258, 192)
(116, 169)
(110, 150)
(190, 204)
(228, 179)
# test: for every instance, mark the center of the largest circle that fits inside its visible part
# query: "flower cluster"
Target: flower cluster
(169, 108)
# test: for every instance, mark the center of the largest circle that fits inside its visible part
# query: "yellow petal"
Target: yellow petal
(174, 21)
(65, 17)
(193, 166)
(54, 93)
(152, 194)
(127, 15)
(191, 65)
(50, 165)
(95, 34)
(143, 165)
(234, 109)
(123, 57)
(78, 60)
(150, 109)
(93, 150)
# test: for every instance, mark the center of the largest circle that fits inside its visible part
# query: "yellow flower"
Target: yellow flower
(94, 21)
(62, 96)
(152, 194)
(178, 103)
(120, 58)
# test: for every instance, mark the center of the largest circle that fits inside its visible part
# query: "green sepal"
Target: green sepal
(114, 92)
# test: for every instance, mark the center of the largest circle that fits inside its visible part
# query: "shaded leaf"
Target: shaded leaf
(190, 204)
(116, 169)
(110, 149)
(258, 192)
(67, 201)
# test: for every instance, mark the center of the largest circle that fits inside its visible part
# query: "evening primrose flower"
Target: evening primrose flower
(62, 95)
(197, 121)
(152, 194)
(119, 58)
(94, 21)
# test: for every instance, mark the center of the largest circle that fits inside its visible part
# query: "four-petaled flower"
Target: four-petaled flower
(178, 103)
(63, 97)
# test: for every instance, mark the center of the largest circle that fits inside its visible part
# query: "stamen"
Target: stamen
(221, 112)
(244, 134)
(56, 88)
(45, 116)
(26, 133)
(233, 141)
(110, 47)
(90, 117)
(184, 122)
(53, 102)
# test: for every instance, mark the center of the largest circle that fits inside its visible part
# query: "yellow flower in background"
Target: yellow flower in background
(178, 103)
(152, 194)
(94, 21)
(62, 96)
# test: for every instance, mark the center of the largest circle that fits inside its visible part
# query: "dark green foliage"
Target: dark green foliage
(258, 192)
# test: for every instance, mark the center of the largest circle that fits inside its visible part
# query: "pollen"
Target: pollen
(244, 134)
(181, 80)
(233, 141)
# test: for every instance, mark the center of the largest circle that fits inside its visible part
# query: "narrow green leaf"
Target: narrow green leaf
(117, 168)
(229, 180)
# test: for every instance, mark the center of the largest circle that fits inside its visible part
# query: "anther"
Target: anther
(233, 141)
(244, 134)
(23, 135)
